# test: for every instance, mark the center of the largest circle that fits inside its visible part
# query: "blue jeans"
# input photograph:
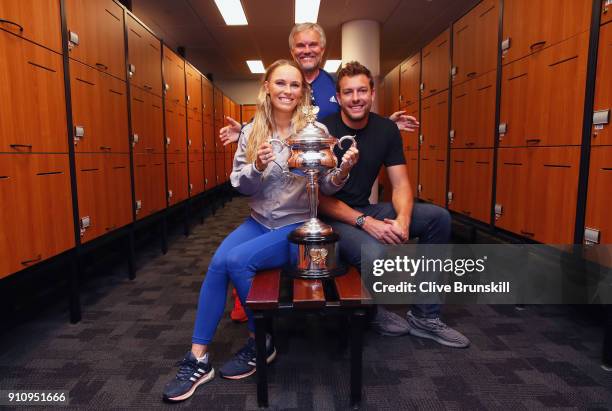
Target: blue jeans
(430, 223)
(249, 248)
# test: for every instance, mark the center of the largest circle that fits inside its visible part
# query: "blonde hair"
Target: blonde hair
(263, 121)
(298, 28)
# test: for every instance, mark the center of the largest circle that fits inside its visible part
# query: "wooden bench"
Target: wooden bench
(271, 295)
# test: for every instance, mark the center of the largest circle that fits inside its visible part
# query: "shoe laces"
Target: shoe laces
(246, 353)
(186, 369)
(436, 323)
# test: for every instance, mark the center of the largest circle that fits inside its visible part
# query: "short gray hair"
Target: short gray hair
(298, 28)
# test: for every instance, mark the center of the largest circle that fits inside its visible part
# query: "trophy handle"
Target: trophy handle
(273, 141)
(351, 138)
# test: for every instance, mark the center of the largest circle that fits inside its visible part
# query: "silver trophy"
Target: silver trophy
(312, 152)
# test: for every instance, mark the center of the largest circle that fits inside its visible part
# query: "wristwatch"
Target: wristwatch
(360, 221)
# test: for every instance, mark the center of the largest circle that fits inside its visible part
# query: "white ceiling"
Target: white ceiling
(222, 50)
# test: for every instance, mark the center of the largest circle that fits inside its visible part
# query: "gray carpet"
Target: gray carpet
(123, 351)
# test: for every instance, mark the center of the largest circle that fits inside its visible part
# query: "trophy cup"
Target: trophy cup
(312, 153)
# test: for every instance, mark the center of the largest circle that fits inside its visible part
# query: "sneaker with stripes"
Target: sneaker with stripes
(244, 362)
(191, 374)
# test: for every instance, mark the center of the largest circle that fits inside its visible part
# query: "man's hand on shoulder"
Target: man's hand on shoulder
(404, 122)
(382, 231)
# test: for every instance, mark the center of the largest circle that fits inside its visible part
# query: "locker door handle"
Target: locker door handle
(34, 260)
(13, 23)
(471, 74)
(21, 145)
(149, 148)
(470, 144)
(102, 66)
(527, 233)
(433, 90)
(533, 140)
(148, 87)
(537, 44)
(105, 148)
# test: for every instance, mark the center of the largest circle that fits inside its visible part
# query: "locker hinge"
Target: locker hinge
(502, 130)
(449, 196)
(451, 134)
(79, 131)
(167, 141)
(138, 205)
(134, 139)
(505, 45)
(85, 223)
(419, 188)
(73, 40)
(453, 72)
(499, 210)
(421, 139)
(169, 194)
(131, 70)
(422, 87)
(591, 235)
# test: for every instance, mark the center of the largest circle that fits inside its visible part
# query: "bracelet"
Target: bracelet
(337, 174)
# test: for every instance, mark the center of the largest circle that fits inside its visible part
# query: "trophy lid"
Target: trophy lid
(311, 133)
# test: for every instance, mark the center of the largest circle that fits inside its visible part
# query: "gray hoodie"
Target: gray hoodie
(277, 196)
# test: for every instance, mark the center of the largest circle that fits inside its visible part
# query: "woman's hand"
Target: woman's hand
(265, 155)
(230, 133)
(349, 159)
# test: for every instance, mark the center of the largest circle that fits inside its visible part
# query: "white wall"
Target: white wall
(241, 91)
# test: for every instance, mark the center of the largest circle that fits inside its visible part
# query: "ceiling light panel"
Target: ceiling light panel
(306, 11)
(256, 66)
(232, 12)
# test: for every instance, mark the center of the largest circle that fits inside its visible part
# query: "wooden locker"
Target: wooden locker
(411, 139)
(219, 168)
(229, 161)
(473, 112)
(410, 76)
(554, 186)
(227, 107)
(601, 134)
(174, 78)
(434, 127)
(147, 122)
(599, 193)
(96, 35)
(194, 130)
(99, 111)
(542, 96)
(606, 11)
(104, 193)
(432, 176)
(392, 91)
(33, 110)
(531, 26)
(471, 180)
(248, 112)
(177, 178)
(144, 58)
(436, 65)
(176, 133)
(412, 163)
(513, 204)
(210, 170)
(475, 42)
(196, 175)
(194, 88)
(40, 20)
(36, 213)
(141, 183)
(149, 184)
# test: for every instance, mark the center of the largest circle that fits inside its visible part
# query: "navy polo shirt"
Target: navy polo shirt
(324, 95)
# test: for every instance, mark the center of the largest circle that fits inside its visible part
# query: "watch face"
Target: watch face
(360, 221)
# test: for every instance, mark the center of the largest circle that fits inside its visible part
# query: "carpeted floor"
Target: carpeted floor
(123, 351)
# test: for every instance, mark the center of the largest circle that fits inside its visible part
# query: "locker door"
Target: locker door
(433, 179)
(599, 193)
(483, 107)
(428, 127)
(92, 196)
(229, 159)
(513, 192)
(174, 76)
(247, 112)
(514, 95)
(175, 129)
(436, 64)
(462, 118)
(119, 188)
(412, 160)
(554, 186)
(141, 182)
(194, 128)
(150, 185)
(486, 16)
(435, 125)
(606, 11)
(411, 139)
(36, 212)
(33, 109)
(479, 185)
(556, 93)
(40, 20)
(196, 175)
(392, 92)
(144, 57)
(459, 176)
(99, 110)
(177, 178)
(219, 168)
(603, 87)
(464, 48)
(194, 88)
(532, 26)
(210, 170)
(99, 27)
(147, 121)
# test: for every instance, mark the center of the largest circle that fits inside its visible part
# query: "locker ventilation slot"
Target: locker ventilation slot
(42, 67)
(49, 173)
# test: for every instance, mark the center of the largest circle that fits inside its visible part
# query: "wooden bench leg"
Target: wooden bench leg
(357, 322)
(262, 366)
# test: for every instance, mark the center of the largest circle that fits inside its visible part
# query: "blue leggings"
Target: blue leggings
(249, 248)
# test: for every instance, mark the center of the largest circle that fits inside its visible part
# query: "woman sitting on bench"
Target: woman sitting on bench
(278, 202)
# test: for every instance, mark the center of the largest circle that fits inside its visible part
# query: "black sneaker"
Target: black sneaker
(191, 374)
(244, 362)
